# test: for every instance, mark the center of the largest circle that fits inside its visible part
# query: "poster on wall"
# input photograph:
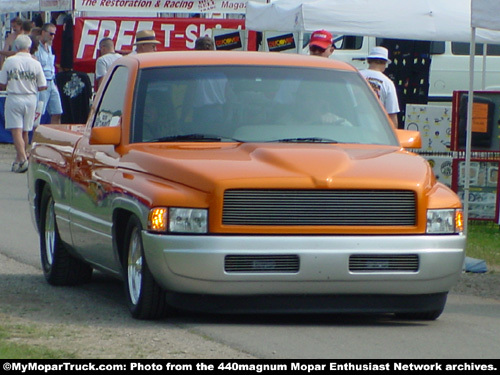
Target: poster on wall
(483, 193)
(280, 42)
(229, 39)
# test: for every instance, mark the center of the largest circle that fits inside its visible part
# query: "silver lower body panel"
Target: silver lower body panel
(197, 264)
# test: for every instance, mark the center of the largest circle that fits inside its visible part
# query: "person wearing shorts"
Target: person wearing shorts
(22, 77)
(50, 97)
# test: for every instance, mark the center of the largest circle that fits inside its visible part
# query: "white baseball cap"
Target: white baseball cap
(379, 53)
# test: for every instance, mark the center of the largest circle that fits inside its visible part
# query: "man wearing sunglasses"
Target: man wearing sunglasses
(321, 43)
(50, 97)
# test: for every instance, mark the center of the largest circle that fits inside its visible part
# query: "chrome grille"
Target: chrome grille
(383, 263)
(262, 263)
(320, 207)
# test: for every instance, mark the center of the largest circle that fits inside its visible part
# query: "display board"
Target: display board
(442, 166)
(434, 125)
(442, 129)
(485, 131)
(484, 189)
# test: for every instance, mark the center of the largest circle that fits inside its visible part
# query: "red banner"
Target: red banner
(174, 34)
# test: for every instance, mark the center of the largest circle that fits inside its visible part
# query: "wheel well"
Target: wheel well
(39, 186)
(120, 220)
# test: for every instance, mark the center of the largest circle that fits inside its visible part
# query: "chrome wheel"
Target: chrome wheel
(49, 233)
(134, 266)
(145, 298)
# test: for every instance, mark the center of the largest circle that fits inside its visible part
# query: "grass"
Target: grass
(483, 242)
(26, 351)
(13, 346)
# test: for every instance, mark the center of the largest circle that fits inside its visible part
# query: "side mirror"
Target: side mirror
(409, 138)
(105, 135)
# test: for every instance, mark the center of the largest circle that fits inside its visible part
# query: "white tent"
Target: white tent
(8, 6)
(398, 19)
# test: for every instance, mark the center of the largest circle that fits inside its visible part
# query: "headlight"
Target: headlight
(187, 220)
(444, 221)
(178, 220)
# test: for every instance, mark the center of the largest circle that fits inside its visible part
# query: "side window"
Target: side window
(349, 42)
(462, 48)
(111, 106)
(437, 48)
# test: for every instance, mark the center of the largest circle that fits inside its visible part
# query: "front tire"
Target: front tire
(145, 298)
(432, 312)
(428, 315)
(58, 265)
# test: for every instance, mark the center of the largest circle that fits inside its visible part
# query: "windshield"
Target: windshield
(257, 104)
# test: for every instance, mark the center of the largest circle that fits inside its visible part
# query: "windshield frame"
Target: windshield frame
(148, 78)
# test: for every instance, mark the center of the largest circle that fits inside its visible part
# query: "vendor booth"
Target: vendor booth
(77, 41)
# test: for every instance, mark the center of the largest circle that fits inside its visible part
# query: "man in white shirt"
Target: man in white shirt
(107, 58)
(50, 98)
(22, 76)
(380, 83)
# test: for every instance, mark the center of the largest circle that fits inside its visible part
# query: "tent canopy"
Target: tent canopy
(8, 6)
(435, 20)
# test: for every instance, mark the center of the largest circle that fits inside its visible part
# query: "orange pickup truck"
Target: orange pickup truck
(244, 182)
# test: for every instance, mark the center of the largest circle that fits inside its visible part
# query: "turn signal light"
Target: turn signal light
(157, 220)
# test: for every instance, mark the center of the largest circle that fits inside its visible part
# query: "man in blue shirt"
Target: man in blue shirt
(50, 97)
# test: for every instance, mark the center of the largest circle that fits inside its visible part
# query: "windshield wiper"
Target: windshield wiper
(196, 137)
(307, 140)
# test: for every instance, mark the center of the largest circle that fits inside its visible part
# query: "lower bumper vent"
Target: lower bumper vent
(384, 263)
(262, 263)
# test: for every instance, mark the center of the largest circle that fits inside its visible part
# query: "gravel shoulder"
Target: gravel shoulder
(92, 321)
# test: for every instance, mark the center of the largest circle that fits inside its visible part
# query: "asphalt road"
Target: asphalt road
(468, 329)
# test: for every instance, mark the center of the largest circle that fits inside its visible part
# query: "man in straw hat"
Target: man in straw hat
(380, 83)
(145, 41)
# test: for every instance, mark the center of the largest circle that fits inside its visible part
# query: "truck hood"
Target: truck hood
(209, 167)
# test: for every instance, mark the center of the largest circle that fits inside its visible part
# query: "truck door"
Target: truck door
(93, 169)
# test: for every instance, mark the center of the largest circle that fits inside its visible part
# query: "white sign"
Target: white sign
(8, 6)
(163, 6)
(55, 5)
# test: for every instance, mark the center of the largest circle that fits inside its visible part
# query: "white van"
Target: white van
(449, 69)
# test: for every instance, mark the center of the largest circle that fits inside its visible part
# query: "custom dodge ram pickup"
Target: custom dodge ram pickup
(244, 182)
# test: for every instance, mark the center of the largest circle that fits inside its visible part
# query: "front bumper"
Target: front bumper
(195, 264)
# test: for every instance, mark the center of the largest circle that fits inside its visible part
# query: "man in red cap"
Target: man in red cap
(321, 43)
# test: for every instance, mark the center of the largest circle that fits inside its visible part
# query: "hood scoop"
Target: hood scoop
(304, 161)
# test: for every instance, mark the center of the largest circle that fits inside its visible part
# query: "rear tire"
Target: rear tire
(58, 265)
(145, 298)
